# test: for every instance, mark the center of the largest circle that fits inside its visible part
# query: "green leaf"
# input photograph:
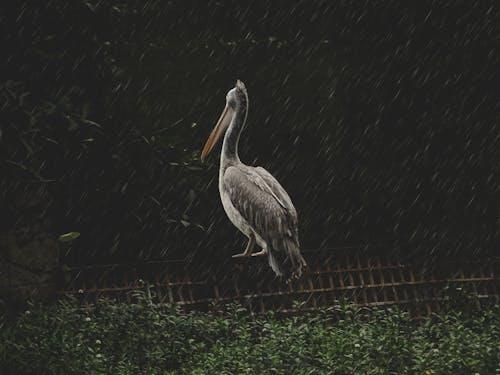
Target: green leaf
(66, 237)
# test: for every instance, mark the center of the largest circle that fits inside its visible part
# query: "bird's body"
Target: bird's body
(253, 199)
(226, 196)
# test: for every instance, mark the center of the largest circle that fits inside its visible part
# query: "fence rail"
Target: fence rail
(364, 279)
(352, 274)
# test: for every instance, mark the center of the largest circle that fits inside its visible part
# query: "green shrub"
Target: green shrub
(148, 338)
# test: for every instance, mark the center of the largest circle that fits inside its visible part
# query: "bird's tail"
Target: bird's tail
(285, 258)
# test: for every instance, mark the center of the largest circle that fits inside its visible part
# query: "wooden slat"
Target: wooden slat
(367, 280)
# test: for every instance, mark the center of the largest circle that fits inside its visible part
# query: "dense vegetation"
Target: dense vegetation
(146, 338)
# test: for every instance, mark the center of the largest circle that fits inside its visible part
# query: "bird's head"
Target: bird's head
(236, 100)
(237, 96)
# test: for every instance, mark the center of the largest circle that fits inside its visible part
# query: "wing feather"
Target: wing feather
(267, 207)
(259, 200)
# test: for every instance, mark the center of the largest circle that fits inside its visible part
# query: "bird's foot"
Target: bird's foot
(260, 253)
(246, 254)
(242, 255)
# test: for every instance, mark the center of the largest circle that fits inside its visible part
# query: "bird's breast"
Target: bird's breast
(232, 213)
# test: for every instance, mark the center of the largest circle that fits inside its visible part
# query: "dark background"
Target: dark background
(380, 119)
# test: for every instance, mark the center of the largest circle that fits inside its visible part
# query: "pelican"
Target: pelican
(253, 200)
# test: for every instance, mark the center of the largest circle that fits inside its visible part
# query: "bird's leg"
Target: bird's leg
(248, 249)
(262, 252)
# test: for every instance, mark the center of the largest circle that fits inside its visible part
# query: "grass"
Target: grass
(147, 338)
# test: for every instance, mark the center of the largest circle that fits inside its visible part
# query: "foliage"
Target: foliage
(79, 148)
(373, 118)
(143, 337)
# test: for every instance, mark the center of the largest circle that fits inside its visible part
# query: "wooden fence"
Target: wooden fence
(351, 274)
(358, 274)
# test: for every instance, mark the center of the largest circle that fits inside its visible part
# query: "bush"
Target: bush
(148, 338)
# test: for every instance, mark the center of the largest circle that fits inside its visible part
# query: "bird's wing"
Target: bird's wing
(277, 189)
(261, 200)
(266, 206)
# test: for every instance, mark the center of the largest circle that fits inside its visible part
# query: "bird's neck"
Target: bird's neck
(229, 155)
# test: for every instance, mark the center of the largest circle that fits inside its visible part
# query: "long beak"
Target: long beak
(220, 128)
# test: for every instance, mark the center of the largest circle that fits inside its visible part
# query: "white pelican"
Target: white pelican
(253, 200)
